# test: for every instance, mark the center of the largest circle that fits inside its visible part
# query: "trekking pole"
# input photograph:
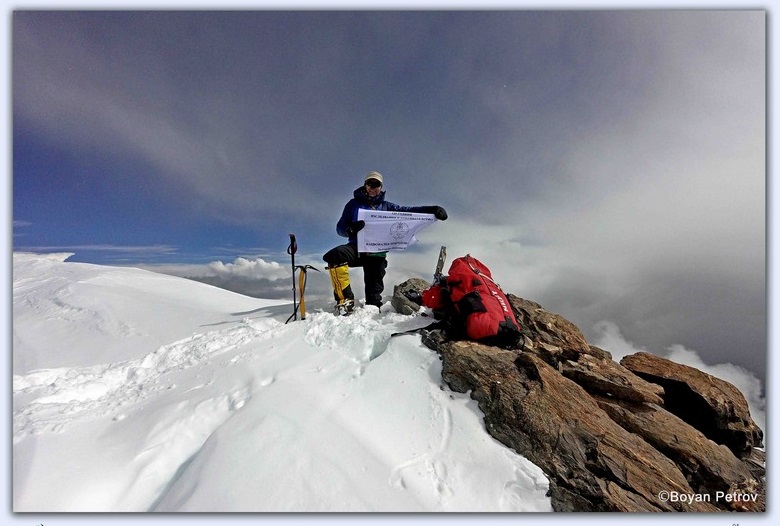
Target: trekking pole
(292, 249)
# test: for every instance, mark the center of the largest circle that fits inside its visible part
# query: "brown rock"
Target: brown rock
(711, 469)
(609, 436)
(554, 337)
(593, 463)
(711, 405)
(400, 302)
(608, 378)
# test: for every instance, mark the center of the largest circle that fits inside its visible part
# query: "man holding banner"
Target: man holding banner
(373, 226)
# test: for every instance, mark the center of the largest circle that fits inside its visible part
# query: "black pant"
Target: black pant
(373, 269)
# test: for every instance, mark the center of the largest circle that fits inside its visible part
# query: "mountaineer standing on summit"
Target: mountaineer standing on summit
(370, 196)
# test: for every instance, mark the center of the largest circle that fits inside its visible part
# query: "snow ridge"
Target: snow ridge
(55, 396)
(324, 414)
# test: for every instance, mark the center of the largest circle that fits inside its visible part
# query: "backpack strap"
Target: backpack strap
(478, 273)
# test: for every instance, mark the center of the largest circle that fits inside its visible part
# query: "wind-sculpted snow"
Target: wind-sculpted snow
(244, 413)
(54, 396)
(361, 337)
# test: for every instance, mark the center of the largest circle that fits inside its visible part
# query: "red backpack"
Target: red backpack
(476, 303)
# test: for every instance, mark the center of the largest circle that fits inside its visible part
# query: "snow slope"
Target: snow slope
(135, 391)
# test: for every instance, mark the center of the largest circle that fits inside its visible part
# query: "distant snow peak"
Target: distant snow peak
(31, 256)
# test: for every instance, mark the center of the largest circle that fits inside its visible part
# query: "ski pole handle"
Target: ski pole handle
(293, 248)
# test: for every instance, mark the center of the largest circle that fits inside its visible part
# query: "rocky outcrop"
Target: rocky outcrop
(610, 436)
(401, 301)
(710, 404)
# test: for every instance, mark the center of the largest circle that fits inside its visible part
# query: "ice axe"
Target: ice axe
(292, 249)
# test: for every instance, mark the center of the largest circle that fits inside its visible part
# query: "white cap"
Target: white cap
(374, 175)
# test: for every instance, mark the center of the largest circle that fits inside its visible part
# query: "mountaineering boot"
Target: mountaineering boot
(342, 290)
(344, 309)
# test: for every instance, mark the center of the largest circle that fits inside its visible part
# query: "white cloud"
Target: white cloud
(611, 339)
(246, 268)
(242, 268)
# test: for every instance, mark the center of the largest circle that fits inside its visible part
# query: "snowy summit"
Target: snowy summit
(135, 391)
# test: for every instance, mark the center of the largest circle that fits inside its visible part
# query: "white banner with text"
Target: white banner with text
(390, 230)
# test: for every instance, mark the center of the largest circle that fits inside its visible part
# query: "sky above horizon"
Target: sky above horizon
(610, 165)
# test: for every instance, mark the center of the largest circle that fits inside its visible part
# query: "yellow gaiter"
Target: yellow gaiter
(339, 277)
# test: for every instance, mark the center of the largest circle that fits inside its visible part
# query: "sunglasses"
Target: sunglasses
(373, 183)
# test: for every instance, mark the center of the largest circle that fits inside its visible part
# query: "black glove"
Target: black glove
(355, 227)
(437, 211)
(440, 213)
(414, 296)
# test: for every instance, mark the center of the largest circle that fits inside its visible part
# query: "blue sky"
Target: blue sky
(610, 165)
